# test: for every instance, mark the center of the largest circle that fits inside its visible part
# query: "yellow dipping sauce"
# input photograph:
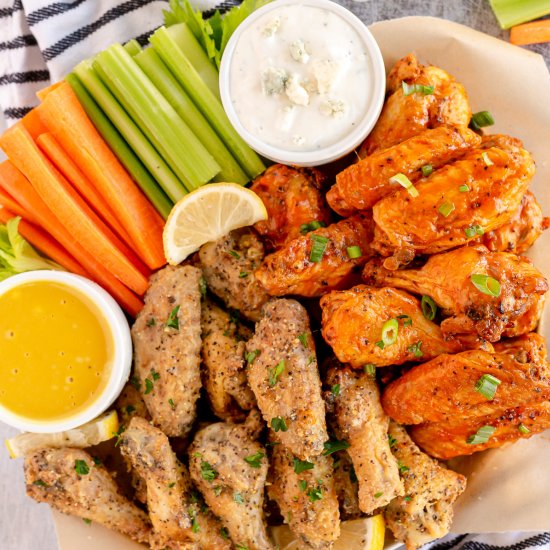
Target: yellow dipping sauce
(55, 351)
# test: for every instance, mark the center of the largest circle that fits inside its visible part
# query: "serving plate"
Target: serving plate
(508, 488)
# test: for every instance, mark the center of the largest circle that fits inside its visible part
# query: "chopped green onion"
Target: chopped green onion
(405, 182)
(275, 372)
(445, 208)
(487, 386)
(380, 344)
(427, 169)
(463, 188)
(409, 89)
(429, 307)
(318, 248)
(370, 369)
(415, 349)
(243, 274)
(333, 446)
(354, 252)
(523, 429)
(251, 356)
(481, 436)
(389, 332)
(407, 320)
(481, 119)
(311, 226)
(486, 159)
(278, 424)
(255, 460)
(378, 495)
(302, 465)
(486, 284)
(473, 230)
(335, 390)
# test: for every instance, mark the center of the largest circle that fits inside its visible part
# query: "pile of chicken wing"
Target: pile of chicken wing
(314, 368)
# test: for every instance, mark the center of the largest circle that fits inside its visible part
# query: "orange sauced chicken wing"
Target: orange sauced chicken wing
(363, 184)
(293, 197)
(405, 115)
(295, 269)
(354, 321)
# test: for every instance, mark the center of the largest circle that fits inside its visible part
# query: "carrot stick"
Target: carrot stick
(531, 33)
(68, 122)
(41, 94)
(44, 242)
(69, 207)
(9, 203)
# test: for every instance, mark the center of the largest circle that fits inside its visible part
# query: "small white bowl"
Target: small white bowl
(122, 350)
(337, 149)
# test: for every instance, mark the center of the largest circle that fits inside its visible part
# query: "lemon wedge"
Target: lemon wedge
(102, 428)
(206, 215)
(359, 534)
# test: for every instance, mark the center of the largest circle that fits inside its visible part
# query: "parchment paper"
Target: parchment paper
(508, 488)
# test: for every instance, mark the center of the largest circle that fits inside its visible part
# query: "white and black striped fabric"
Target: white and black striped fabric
(42, 40)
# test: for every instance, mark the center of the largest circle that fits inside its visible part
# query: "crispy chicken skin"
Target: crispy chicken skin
(224, 374)
(174, 515)
(445, 440)
(130, 403)
(522, 286)
(445, 387)
(363, 184)
(353, 320)
(291, 271)
(285, 379)
(404, 116)
(346, 486)
(307, 500)
(528, 348)
(292, 197)
(232, 487)
(425, 512)
(51, 476)
(521, 231)
(440, 216)
(167, 343)
(228, 266)
(360, 420)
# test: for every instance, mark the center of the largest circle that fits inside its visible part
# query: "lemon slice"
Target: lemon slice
(359, 534)
(207, 214)
(102, 428)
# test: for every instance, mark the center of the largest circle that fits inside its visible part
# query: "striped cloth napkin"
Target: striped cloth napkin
(43, 40)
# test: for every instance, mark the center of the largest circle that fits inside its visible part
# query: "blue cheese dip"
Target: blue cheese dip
(300, 78)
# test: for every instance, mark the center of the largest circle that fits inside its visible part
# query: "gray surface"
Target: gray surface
(25, 525)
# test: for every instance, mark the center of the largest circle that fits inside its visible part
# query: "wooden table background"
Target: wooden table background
(26, 525)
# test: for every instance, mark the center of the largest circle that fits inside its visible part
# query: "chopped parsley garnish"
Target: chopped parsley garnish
(148, 386)
(173, 321)
(251, 356)
(315, 493)
(135, 382)
(303, 339)
(130, 409)
(255, 460)
(378, 495)
(335, 390)
(172, 404)
(238, 498)
(310, 359)
(87, 521)
(118, 435)
(333, 446)
(224, 533)
(415, 349)
(302, 484)
(302, 465)
(402, 467)
(275, 372)
(278, 424)
(407, 498)
(235, 254)
(170, 485)
(154, 375)
(392, 442)
(81, 467)
(218, 490)
(243, 274)
(97, 461)
(203, 287)
(240, 547)
(151, 322)
(207, 471)
(195, 527)
(40, 483)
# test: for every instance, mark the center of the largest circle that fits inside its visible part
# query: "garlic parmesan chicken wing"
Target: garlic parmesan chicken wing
(293, 197)
(228, 267)
(425, 512)
(360, 420)
(298, 269)
(407, 114)
(382, 326)
(465, 198)
(363, 184)
(70, 481)
(230, 470)
(178, 519)
(284, 377)
(452, 280)
(307, 499)
(167, 344)
(223, 362)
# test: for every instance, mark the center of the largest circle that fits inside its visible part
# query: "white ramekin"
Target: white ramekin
(343, 146)
(122, 350)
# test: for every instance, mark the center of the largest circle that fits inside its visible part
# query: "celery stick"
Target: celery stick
(153, 66)
(181, 149)
(120, 148)
(132, 47)
(207, 103)
(515, 12)
(129, 131)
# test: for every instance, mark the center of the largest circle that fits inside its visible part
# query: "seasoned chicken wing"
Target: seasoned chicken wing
(224, 374)
(284, 377)
(130, 403)
(456, 386)
(296, 269)
(528, 348)
(230, 470)
(473, 195)
(228, 266)
(346, 486)
(307, 499)
(521, 231)
(425, 512)
(70, 481)
(176, 519)
(293, 197)
(167, 344)
(360, 420)
(354, 321)
(407, 114)
(363, 184)
(457, 290)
